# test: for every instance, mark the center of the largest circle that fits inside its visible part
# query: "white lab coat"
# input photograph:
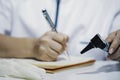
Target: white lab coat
(79, 19)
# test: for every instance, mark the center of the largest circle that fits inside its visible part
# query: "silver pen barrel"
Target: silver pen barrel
(47, 17)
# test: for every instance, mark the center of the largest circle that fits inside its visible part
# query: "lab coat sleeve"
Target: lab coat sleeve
(116, 22)
(5, 16)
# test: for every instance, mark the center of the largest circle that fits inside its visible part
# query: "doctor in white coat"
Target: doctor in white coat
(24, 32)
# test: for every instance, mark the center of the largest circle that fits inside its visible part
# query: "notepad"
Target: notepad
(53, 67)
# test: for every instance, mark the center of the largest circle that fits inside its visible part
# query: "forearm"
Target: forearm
(45, 48)
(16, 47)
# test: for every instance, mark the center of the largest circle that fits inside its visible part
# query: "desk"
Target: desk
(76, 74)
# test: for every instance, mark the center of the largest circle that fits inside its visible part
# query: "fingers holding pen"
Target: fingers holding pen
(59, 38)
(50, 45)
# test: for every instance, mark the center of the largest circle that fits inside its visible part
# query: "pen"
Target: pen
(47, 17)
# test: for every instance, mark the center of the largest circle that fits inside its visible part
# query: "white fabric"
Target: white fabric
(79, 19)
(16, 68)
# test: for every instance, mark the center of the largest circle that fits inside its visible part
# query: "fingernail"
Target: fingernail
(111, 51)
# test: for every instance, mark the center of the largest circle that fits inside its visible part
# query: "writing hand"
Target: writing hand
(50, 45)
